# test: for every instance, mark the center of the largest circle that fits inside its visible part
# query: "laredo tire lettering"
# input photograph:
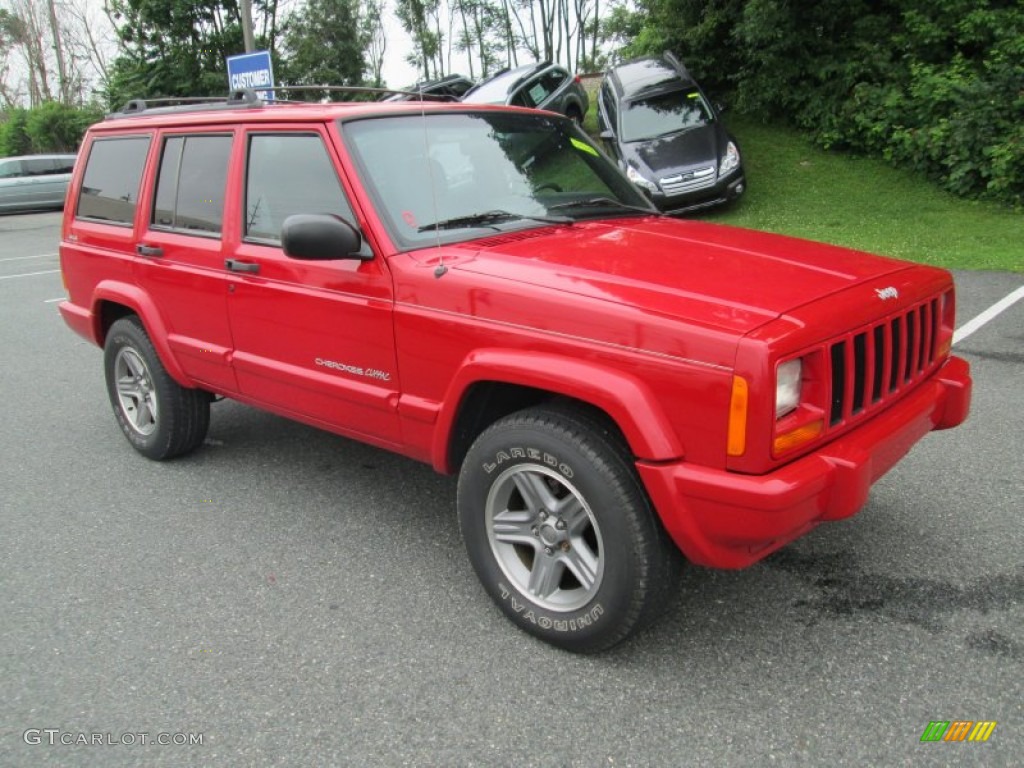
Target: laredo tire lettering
(582, 580)
(503, 457)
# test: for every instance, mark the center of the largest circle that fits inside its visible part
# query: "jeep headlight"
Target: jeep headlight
(731, 161)
(634, 175)
(787, 387)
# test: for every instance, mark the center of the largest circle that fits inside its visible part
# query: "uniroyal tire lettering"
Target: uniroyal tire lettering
(502, 457)
(559, 625)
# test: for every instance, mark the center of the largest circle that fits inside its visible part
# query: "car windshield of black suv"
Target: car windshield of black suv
(663, 114)
(448, 177)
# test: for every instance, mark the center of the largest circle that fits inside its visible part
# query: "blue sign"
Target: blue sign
(252, 70)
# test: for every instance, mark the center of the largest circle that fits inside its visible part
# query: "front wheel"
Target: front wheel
(560, 531)
(160, 418)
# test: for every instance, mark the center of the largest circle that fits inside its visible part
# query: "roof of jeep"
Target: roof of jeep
(291, 112)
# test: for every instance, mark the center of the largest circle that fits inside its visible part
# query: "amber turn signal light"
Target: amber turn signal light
(797, 437)
(737, 439)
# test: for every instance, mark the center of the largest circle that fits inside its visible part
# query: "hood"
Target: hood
(668, 155)
(719, 277)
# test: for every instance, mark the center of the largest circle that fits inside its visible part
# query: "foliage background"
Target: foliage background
(936, 86)
(933, 85)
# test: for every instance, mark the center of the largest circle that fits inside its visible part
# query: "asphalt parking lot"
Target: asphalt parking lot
(295, 598)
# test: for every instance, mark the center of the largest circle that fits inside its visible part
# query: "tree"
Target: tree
(52, 50)
(179, 47)
(375, 40)
(323, 43)
(420, 18)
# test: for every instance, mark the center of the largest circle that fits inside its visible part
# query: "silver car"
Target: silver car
(34, 182)
(543, 86)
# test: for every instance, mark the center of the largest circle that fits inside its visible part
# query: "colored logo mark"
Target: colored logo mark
(958, 730)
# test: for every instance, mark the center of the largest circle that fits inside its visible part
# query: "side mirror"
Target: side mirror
(320, 237)
(721, 106)
(607, 136)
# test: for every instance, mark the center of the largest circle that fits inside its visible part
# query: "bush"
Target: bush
(14, 138)
(55, 127)
(51, 127)
(936, 85)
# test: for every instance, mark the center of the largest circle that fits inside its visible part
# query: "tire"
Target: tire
(160, 418)
(574, 114)
(561, 532)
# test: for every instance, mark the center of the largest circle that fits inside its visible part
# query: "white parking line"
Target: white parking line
(54, 301)
(29, 274)
(22, 258)
(989, 314)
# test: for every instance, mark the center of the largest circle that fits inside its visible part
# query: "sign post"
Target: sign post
(252, 70)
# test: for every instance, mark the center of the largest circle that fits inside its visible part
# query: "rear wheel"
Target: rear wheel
(160, 418)
(560, 531)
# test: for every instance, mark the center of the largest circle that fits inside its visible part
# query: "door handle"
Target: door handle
(241, 266)
(149, 250)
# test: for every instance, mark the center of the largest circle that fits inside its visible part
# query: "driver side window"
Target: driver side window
(289, 174)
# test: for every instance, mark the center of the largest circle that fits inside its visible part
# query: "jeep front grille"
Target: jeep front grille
(699, 178)
(875, 364)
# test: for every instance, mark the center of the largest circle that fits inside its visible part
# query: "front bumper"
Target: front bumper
(726, 190)
(728, 520)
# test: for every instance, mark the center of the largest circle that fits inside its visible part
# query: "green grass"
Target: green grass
(797, 189)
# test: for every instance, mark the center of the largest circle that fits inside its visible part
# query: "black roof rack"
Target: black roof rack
(362, 89)
(165, 104)
(250, 98)
(671, 59)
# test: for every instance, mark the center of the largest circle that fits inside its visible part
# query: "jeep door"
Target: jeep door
(313, 339)
(180, 253)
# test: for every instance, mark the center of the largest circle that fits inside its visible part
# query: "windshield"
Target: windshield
(495, 90)
(455, 176)
(663, 114)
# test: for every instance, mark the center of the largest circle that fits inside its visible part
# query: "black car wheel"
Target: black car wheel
(160, 418)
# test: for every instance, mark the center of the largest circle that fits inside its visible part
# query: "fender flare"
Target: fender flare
(138, 301)
(626, 399)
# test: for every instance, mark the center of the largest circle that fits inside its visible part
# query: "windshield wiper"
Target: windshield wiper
(672, 132)
(597, 202)
(489, 219)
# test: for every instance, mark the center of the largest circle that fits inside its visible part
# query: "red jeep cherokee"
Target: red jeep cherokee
(481, 289)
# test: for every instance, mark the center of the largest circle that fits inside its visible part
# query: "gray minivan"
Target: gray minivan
(33, 182)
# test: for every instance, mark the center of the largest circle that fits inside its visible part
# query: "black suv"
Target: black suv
(453, 86)
(667, 135)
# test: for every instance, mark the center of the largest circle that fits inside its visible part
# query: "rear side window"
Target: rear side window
(10, 169)
(113, 172)
(191, 184)
(40, 166)
(289, 174)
